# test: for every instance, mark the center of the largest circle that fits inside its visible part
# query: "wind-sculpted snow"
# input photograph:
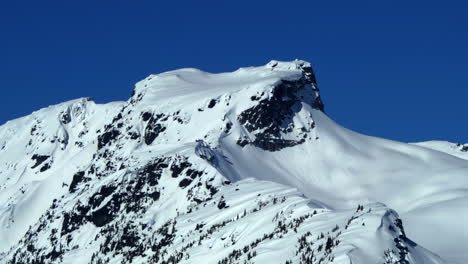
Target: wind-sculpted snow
(458, 150)
(240, 167)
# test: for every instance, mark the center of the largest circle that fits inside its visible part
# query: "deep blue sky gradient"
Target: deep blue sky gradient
(394, 69)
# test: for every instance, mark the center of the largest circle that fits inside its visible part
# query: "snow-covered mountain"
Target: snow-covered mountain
(241, 167)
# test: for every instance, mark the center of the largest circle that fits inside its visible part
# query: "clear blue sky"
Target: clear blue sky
(394, 69)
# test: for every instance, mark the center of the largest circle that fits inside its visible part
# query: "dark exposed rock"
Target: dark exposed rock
(193, 173)
(74, 219)
(212, 103)
(107, 137)
(39, 160)
(152, 171)
(185, 182)
(146, 116)
(228, 127)
(463, 147)
(97, 198)
(134, 135)
(213, 190)
(117, 118)
(242, 142)
(65, 118)
(275, 144)
(106, 213)
(271, 118)
(399, 224)
(77, 179)
(153, 128)
(45, 167)
(33, 129)
(178, 166)
(222, 203)
(130, 195)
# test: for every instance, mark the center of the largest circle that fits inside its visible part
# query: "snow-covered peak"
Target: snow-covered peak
(239, 167)
(174, 89)
(289, 66)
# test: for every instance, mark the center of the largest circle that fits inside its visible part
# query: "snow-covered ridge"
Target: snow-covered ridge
(241, 167)
(456, 149)
(175, 88)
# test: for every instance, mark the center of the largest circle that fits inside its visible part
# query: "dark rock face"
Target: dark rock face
(463, 147)
(77, 178)
(271, 119)
(39, 160)
(309, 77)
(146, 116)
(153, 127)
(129, 196)
(106, 213)
(45, 167)
(74, 219)
(222, 203)
(212, 103)
(65, 118)
(402, 242)
(185, 182)
(107, 137)
(179, 165)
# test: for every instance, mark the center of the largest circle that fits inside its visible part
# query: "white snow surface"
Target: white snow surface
(241, 167)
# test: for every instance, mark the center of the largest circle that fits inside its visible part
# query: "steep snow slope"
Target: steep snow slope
(195, 166)
(37, 154)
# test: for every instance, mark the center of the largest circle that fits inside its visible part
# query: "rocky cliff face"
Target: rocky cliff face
(240, 167)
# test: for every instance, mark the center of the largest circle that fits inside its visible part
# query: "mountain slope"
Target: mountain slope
(198, 166)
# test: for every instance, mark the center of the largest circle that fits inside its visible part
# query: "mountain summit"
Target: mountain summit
(240, 167)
